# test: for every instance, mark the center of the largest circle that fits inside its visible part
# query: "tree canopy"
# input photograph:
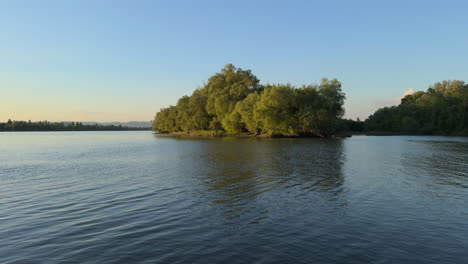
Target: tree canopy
(442, 110)
(234, 102)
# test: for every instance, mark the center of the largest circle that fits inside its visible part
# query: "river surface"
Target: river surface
(136, 197)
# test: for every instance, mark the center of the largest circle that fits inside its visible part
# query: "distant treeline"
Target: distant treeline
(53, 126)
(441, 110)
(234, 102)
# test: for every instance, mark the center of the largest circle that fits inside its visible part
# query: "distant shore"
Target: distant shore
(103, 130)
(28, 126)
(386, 133)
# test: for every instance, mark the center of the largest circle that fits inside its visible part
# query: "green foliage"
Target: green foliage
(226, 88)
(442, 109)
(59, 126)
(246, 108)
(232, 123)
(234, 102)
(276, 110)
(348, 125)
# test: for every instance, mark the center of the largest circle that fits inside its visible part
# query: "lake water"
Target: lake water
(136, 197)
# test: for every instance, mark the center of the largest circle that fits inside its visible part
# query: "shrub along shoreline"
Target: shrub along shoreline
(207, 133)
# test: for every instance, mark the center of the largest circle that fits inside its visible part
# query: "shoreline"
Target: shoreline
(103, 130)
(339, 135)
(216, 134)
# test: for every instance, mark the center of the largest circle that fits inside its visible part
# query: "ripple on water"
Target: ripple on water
(131, 197)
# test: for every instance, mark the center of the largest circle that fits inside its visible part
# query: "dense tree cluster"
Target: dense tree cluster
(442, 109)
(234, 102)
(352, 126)
(51, 126)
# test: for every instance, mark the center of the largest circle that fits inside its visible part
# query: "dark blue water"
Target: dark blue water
(134, 197)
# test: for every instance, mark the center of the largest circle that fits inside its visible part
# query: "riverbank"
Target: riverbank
(209, 134)
(223, 134)
(387, 133)
(79, 130)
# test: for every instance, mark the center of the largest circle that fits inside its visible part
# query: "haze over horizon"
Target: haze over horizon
(124, 60)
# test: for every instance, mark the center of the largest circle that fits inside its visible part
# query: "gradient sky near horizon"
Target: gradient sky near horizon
(116, 60)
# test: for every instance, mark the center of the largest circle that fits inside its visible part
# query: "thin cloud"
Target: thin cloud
(407, 92)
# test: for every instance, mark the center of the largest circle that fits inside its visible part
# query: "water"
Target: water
(134, 197)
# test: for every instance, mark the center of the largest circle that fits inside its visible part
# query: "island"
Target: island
(234, 103)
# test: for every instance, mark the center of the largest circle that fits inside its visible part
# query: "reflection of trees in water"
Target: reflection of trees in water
(245, 176)
(313, 164)
(235, 170)
(445, 162)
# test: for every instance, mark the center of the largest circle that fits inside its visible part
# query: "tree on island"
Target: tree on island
(234, 102)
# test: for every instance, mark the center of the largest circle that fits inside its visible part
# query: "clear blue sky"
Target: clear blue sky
(123, 60)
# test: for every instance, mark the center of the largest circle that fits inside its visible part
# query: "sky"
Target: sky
(117, 60)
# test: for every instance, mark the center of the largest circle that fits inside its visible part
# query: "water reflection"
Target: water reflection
(242, 175)
(130, 197)
(444, 161)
